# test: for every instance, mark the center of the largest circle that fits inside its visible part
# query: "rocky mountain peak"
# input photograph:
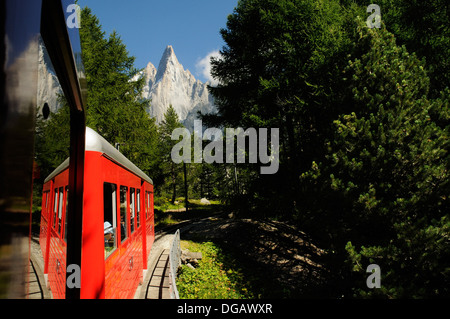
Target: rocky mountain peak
(168, 62)
(171, 84)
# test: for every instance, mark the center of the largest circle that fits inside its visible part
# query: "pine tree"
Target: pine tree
(389, 165)
(53, 139)
(275, 72)
(422, 26)
(115, 108)
(170, 170)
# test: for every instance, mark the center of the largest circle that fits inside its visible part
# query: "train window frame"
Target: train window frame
(132, 209)
(150, 212)
(46, 200)
(60, 209)
(55, 208)
(146, 202)
(149, 207)
(124, 234)
(111, 196)
(138, 208)
(44, 211)
(66, 211)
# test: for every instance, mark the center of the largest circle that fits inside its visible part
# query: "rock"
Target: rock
(204, 201)
(190, 266)
(194, 262)
(194, 255)
(187, 257)
(171, 84)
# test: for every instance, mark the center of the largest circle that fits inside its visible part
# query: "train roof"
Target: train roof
(96, 143)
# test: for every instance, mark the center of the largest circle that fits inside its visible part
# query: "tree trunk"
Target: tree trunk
(174, 184)
(185, 187)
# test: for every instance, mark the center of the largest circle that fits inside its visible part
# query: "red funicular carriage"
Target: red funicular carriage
(118, 223)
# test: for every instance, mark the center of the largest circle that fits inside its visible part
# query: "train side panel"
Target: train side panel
(56, 247)
(92, 257)
(149, 220)
(123, 266)
(45, 222)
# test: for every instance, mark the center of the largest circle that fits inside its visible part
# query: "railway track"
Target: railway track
(157, 282)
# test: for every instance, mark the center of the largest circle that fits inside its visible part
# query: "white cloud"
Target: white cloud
(203, 66)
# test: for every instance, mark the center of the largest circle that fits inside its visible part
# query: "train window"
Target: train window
(149, 205)
(55, 208)
(45, 206)
(61, 201)
(132, 209)
(46, 199)
(123, 213)
(138, 207)
(66, 213)
(146, 205)
(110, 219)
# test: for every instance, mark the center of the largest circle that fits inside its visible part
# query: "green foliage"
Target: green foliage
(52, 146)
(218, 276)
(171, 173)
(275, 71)
(388, 162)
(52, 140)
(364, 122)
(114, 105)
(422, 26)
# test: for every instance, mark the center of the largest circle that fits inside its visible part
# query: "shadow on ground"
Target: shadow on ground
(278, 260)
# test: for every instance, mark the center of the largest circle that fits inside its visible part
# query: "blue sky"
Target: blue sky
(147, 26)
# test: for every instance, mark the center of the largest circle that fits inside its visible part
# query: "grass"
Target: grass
(165, 204)
(167, 213)
(218, 275)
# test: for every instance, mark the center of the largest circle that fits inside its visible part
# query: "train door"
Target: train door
(135, 245)
(112, 235)
(122, 255)
(149, 219)
(57, 245)
(125, 262)
(138, 237)
(143, 216)
(130, 262)
(46, 198)
(46, 217)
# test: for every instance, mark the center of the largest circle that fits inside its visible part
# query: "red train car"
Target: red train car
(118, 223)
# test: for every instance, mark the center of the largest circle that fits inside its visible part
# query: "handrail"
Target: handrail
(174, 263)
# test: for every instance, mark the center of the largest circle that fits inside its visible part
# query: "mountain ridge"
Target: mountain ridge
(171, 84)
